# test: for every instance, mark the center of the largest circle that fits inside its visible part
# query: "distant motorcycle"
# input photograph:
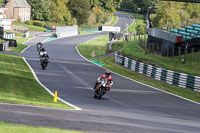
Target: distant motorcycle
(103, 85)
(39, 46)
(44, 60)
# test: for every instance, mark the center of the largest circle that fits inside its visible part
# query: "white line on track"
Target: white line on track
(26, 44)
(34, 106)
(51, 93)
(135, 80)
(138, 81)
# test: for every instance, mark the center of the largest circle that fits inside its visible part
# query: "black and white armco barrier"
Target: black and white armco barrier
(174, 78)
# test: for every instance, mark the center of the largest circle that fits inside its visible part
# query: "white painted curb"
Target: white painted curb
(51, 93)
(135, 80)
(116, 21)
(35, 106)
(26, 44)
(35, 76)
(28, 40)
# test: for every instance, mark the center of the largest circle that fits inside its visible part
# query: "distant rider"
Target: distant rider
(43, 53)
(107, 77)
(39, 46)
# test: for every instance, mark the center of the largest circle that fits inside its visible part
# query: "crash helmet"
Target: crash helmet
(107, 73)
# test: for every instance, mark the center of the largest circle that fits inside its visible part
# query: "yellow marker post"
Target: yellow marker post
(55, 97)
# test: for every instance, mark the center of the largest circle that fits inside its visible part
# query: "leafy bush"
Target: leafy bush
(2, 41)
(39, 23)
(30, 22)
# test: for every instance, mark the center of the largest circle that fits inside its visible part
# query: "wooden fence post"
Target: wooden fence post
(173, 52)
(192, 54)
(185, 56)
(167, 51)
(157, 48)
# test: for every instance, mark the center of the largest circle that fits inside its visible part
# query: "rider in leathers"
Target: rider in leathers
(106, 76)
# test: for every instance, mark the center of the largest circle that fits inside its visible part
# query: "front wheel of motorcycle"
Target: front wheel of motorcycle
(99, 97)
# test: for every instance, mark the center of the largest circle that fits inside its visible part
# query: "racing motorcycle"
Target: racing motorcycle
(103, 86)
(44, 60)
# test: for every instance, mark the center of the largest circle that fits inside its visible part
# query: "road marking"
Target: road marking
(116, 21)
(138, 81)
(51, 93)
(96, 62)
(74, 76)
(34, 106)
(132, 79)
(26, 44)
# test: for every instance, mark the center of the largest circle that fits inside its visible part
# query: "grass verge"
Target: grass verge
(20, 47)
(31, 27)
(96, 47)
(114, 20)
(139, 20)
(133, 50)
(15, 128)
(109, 63)
(17, 84)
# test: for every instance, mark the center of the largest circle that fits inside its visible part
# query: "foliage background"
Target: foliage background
(71, 12)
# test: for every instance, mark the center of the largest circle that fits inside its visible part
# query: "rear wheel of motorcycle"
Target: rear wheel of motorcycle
(95, 94)
(43, 66)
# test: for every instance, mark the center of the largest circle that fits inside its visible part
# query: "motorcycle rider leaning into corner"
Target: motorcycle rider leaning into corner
(107, 77)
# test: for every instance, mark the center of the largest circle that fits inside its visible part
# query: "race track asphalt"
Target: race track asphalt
(130, 107)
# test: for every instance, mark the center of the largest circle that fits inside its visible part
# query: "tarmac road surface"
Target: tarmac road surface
(129, 107)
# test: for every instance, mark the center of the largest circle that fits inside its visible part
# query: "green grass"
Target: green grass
(114, 20)
(31, 27)
(17, 84)
(139, 20)
(85, 32)
(20, 47)
(134, 51)
(19, 34)
(16, 128)
(98, 45)
(109, 63)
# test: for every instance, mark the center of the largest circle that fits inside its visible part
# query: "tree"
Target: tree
(39, 9)
(60, 12)
(103, 9)
(79, 10)
(167, 13)
(141, 29)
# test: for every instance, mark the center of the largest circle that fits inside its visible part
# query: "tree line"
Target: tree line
(164, 12)
(71, 12)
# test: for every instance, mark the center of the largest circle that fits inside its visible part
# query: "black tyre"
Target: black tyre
(96, 93)
(44, 65)
(99, 97)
